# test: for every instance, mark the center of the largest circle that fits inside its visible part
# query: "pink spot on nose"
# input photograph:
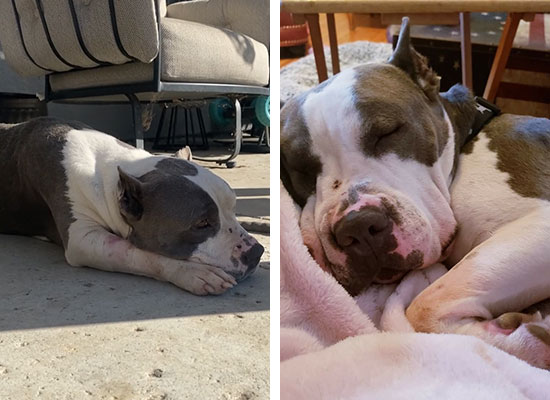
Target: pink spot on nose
(404, 244)
(346, 207)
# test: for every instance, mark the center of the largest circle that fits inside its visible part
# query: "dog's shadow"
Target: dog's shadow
(39, 289)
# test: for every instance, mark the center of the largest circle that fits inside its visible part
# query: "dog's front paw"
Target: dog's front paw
(523, 335)
(205, 279)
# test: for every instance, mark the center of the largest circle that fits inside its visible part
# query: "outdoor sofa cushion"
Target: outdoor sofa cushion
(210, 41)
(191, 52)
(134, 20)
(250, 17)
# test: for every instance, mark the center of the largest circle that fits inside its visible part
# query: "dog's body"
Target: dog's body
(378, 161)
(117, 208)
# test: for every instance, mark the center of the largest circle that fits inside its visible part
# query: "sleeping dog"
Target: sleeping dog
(117, 208)
(377, 158)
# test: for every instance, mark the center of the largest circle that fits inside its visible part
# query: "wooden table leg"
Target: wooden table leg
(333, 44)
(351, 21)
(466, 50)
(317, 43)
(501, 56)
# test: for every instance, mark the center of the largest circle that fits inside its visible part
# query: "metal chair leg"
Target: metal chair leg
(137, 121)
(170, 128)
(172, 133)
(237, 141)
(170, 115)
(267, 137)
(192, 126)
(186, 126)
(202, 129)
(238, 131)
(160, 126)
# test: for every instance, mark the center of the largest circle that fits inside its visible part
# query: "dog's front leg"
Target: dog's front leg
(93, 246)
(484, 294)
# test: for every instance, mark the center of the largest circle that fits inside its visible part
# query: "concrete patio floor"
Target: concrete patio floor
(79, 333)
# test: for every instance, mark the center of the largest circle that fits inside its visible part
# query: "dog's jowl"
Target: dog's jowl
(378, 161)
(116, 208)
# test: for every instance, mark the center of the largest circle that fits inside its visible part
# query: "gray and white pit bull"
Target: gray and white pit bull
(117, 208)
(376, 158)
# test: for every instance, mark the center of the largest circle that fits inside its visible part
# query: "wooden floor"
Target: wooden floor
(344, 34)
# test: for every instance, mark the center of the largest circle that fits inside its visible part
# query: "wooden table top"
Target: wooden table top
(414, 6)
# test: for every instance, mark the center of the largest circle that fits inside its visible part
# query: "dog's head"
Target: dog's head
(183, 211)
(369, 155)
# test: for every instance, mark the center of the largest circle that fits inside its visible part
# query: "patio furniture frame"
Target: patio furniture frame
(172, 90)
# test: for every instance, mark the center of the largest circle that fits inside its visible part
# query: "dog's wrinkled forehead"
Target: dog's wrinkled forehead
(173, 192)
(371, 110)
(216, 187)
(396, 116)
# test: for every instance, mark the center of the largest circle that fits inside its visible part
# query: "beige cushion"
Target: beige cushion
(250, 17)
(103, 76)
(162, 8)
(191, 52)
(136, 22)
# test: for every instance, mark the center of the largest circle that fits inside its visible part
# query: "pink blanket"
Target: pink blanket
(334, 346)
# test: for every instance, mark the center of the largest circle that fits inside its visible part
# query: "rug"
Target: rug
(301, 75)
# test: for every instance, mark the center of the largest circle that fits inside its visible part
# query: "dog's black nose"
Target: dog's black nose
(252, 257)
(363, 232)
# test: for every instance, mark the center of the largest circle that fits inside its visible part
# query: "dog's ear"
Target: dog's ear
(299, 166)
(130, 197)
(184, 153)
(413, 63)
(287, 182)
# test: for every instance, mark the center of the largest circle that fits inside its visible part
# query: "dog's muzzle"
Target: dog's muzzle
(364, 232)
(366, 237)
(251, 259)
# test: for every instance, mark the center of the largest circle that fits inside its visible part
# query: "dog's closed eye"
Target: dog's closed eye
(202, 224)
(392, 131)
(388, 132)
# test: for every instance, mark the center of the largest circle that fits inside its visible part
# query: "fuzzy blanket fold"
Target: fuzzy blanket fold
(334, 346)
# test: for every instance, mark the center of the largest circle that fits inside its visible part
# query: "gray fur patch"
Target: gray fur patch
(33, 184)
(397, 117)
(522, 145)
(173, 208)
(299, 166)
(176, 166)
